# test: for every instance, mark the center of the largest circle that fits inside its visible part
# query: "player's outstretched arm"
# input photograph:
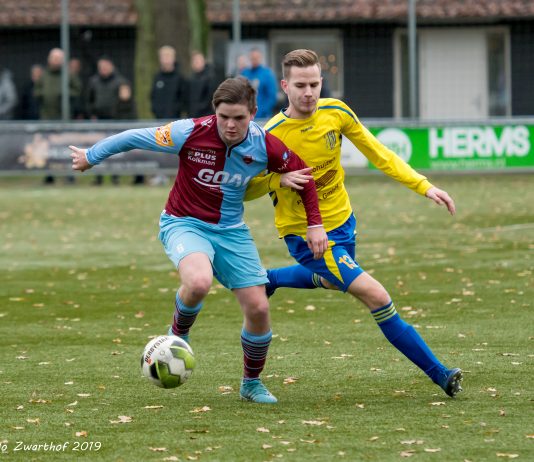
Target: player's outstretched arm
(79, 159)
(441, 197)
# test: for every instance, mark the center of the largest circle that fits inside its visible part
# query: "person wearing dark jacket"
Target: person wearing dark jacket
(103, 98)
(47, 89)
(29, 106)
(103, 90)
(201, 86)
(169, 87)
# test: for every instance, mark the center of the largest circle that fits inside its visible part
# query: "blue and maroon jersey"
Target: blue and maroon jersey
(212, 178)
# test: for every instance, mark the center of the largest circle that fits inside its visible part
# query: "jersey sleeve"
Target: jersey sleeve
(261, 185)
(167, 138)
(380, 156)
(280, 159)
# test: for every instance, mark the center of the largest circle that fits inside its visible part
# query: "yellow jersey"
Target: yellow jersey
(317, 141)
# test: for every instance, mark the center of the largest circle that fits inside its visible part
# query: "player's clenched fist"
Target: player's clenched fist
(79, 159)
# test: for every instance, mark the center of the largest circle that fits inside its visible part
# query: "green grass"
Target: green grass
(84, 283)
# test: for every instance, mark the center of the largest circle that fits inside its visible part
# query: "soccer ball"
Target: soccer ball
(168, 361)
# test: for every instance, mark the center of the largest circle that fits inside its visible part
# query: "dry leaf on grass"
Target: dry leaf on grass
(313, 422)
(201, 409)
(83, 433)
(507, 455)
(156, 406)
(122, 419)
(225, 389)
(263, 430)
(157, 449)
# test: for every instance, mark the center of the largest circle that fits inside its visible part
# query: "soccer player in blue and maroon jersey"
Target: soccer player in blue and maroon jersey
(202, 226)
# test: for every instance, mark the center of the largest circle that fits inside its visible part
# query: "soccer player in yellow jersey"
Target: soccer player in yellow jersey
(313, 127)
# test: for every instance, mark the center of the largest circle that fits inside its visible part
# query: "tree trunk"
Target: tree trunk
(146, 61)
(199, 25)
(181, 24)
(173, 28)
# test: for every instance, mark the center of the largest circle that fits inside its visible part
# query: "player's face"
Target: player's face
(232, 122)
(302, 87)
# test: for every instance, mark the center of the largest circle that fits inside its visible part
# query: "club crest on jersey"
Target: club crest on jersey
(285, 156)
(213, 179)
(163, 136)
(248, 159)
(331, 139)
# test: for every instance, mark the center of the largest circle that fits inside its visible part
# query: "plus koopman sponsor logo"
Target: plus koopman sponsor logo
(397, 141)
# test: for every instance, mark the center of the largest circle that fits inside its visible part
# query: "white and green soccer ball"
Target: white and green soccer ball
(168, 361)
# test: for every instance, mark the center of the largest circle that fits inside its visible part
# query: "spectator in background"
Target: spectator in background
(8, 95)
(103, 98)
(263, 79)
(47, 90)
(241, 63)
(201, 87)
(125, 109)
(103, 90)
(29, 106)
(169, 87)
(77, 101)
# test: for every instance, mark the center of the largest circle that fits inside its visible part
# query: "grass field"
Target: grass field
(85, 284)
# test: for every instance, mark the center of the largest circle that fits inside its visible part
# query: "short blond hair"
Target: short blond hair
(167, 49)
(299, 58)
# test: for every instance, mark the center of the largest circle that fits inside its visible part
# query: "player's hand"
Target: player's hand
(79, 159)
(317, 241)
(441, 197)
(296, 178)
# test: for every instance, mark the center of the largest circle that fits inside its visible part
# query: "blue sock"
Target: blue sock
(296, 276)
(406, 339)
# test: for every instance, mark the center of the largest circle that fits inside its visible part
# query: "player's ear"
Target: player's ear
(284, 85)
(253, 113)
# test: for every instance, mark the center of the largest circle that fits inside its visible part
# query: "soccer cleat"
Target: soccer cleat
(451, 381)
(255, 391)
(183, 337)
